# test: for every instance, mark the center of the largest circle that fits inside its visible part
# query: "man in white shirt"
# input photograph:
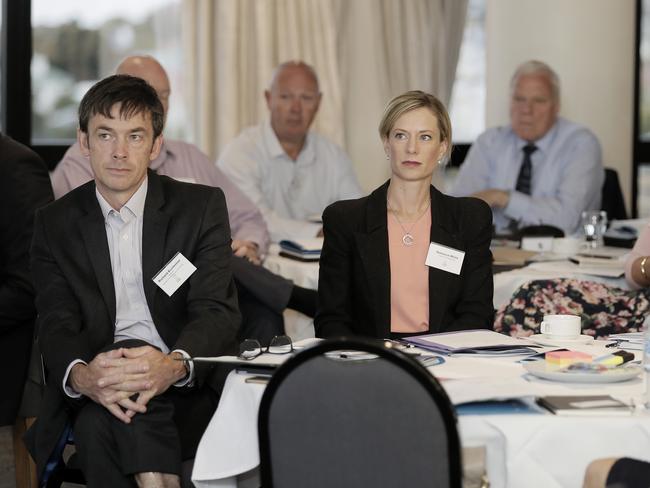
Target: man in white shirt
(290, 173)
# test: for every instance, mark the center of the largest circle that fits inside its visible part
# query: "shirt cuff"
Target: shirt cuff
(189, 379)
(67, 389)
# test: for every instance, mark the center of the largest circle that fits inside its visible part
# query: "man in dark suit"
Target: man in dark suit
(132, 273)
(24, 187)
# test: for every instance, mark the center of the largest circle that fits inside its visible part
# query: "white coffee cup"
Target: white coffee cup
(561, 326)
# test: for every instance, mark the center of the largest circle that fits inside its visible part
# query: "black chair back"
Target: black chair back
(542, 230)
(329, 419)
(612, 196)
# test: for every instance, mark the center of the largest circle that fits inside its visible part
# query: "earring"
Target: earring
(387, 156)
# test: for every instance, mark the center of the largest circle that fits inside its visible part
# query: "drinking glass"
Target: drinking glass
(594, 225)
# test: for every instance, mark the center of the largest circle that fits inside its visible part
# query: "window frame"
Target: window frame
(640, 149)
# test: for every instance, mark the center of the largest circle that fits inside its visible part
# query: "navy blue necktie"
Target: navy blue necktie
(526, 170)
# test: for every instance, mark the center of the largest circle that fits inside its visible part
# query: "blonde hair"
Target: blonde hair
(412, 100)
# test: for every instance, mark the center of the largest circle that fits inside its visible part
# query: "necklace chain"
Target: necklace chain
(407, 238)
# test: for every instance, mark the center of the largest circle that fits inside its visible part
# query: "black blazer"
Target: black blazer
(354, 278)
(24, 187)
(76, 296)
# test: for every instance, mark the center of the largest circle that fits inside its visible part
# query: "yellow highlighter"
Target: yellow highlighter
(614, 359)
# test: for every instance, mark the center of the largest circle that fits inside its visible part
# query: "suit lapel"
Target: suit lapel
(154, 234)
(373, 249)
(93, 232)
(442, 232)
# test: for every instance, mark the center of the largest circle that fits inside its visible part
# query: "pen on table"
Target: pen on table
(399, 342)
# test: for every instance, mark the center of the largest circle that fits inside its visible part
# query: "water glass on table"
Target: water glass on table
(594, 225)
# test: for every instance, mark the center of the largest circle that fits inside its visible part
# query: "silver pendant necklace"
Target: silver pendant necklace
(407, 239)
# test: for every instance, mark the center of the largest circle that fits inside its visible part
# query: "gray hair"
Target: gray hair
(293, 64)
(534, 67)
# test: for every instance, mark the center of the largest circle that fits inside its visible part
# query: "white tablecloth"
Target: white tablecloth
(302, 273)
(531, 450)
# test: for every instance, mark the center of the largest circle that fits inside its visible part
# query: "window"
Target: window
(641, 183)
(467, 105)
(75, 43)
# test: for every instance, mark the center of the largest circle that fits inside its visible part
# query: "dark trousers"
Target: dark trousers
(629, 473)
(263, 296)
(110, 452)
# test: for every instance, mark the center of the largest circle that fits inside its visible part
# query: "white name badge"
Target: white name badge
(445, 258)
(174, 274)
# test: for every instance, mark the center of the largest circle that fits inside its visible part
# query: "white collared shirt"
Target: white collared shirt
(289, 192)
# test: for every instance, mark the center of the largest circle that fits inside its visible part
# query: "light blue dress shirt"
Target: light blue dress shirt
(567, 175)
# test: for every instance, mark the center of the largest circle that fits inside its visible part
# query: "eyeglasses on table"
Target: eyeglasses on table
(251, 348)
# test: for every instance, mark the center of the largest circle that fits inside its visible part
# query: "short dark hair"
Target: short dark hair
(134, 95)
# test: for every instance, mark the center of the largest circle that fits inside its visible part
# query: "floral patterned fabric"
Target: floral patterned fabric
(604, 310)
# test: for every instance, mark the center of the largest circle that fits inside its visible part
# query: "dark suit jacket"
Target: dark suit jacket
(354, 277)
(76, 296)
(24, 187)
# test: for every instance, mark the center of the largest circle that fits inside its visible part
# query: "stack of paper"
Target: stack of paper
(472, 342)
(630, 340)
(302, 249)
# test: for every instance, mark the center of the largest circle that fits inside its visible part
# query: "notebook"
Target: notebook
(472, 342)
(302, 249)
(585, 405)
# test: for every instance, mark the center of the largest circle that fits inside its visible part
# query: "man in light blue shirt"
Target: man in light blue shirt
(541, 169)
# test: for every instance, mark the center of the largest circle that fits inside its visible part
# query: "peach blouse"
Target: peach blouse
(409, 276)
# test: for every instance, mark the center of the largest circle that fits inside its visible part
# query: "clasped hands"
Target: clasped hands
(124, 380)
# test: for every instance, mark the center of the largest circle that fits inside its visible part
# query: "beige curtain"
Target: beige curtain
(232, 48)
(420, 41)
(364, 51)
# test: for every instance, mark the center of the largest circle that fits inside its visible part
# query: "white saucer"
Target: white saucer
(544, 340)
(556, 373)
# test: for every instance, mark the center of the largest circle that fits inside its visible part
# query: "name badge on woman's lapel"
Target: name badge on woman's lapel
(445, 258)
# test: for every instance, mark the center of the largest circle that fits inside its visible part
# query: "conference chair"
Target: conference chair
(352, 412)
(612, 196)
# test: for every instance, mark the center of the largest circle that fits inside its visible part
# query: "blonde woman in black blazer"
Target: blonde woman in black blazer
(355, 296)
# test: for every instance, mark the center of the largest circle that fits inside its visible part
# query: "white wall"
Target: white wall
(590, 43)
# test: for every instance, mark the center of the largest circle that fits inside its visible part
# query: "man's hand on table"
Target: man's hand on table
(246, 249)
(494, 198)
